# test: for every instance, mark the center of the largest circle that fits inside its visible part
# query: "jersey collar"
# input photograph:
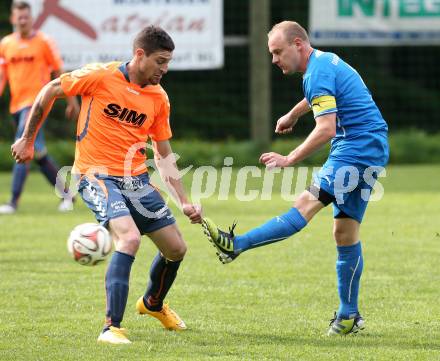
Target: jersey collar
(123, 69)
(31, 35)
(311, 55)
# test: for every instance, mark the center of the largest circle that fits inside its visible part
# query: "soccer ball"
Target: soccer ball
(89, 244)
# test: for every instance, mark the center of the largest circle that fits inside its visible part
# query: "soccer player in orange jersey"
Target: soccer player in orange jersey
(122, 106)
(27, 59)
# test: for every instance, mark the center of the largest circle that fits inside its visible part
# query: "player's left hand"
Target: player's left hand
(273, 160)
(193, 212)
(22, 150)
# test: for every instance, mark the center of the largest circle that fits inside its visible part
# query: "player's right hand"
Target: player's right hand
(22, 150)
(285, 124)
(193, 212)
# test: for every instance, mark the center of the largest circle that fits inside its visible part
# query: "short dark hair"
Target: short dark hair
(20, 5)
(153, 38)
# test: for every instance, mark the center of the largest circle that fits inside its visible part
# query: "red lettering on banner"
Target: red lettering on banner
(52, 7)
(133, 22)
(177, 24)
(110, 25)
(128, 21)
(197, 25)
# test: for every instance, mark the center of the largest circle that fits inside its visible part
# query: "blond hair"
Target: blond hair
(291, 30)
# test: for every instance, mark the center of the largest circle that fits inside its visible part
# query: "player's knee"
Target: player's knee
(307, 205)
(176, 252)
(301, 203)
(338, 234)
(129, 242)
(301, 200)
(343, 237)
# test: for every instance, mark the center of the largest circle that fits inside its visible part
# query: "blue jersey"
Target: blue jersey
(330, 85)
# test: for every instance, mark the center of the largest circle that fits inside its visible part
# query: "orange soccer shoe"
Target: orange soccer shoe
(170, 319)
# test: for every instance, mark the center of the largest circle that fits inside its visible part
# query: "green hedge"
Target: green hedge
(406, 148)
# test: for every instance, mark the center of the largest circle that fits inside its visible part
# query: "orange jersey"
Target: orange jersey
(116, 119)
(28, 64)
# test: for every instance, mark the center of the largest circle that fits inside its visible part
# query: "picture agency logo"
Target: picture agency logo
(246, 184)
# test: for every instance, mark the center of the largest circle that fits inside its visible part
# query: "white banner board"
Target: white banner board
(374, 22)
(103, 30)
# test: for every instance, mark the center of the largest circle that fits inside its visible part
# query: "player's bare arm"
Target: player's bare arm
(166, 164)
(23, 148)
(72, 109)
(2, 79)
(286, 123)
(324, 130)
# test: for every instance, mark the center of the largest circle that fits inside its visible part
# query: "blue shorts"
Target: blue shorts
(111, 197)
(20, 121)
(350, 172)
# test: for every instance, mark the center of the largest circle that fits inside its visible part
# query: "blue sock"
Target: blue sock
(19, 175)
(274, 230)
(116, 285)
(162, 275)
(349, 270)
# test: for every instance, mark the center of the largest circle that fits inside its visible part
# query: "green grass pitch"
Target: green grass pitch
(272, 303)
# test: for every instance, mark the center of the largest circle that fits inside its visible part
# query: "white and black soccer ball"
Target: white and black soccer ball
(89, 244)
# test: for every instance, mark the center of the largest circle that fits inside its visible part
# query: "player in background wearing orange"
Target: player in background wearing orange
(27, 60)
(122, 106)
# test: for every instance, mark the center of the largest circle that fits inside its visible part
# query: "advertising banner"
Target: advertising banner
(88, 31)
(375, 22)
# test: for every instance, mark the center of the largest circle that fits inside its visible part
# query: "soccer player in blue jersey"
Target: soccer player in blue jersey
(346, 114)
